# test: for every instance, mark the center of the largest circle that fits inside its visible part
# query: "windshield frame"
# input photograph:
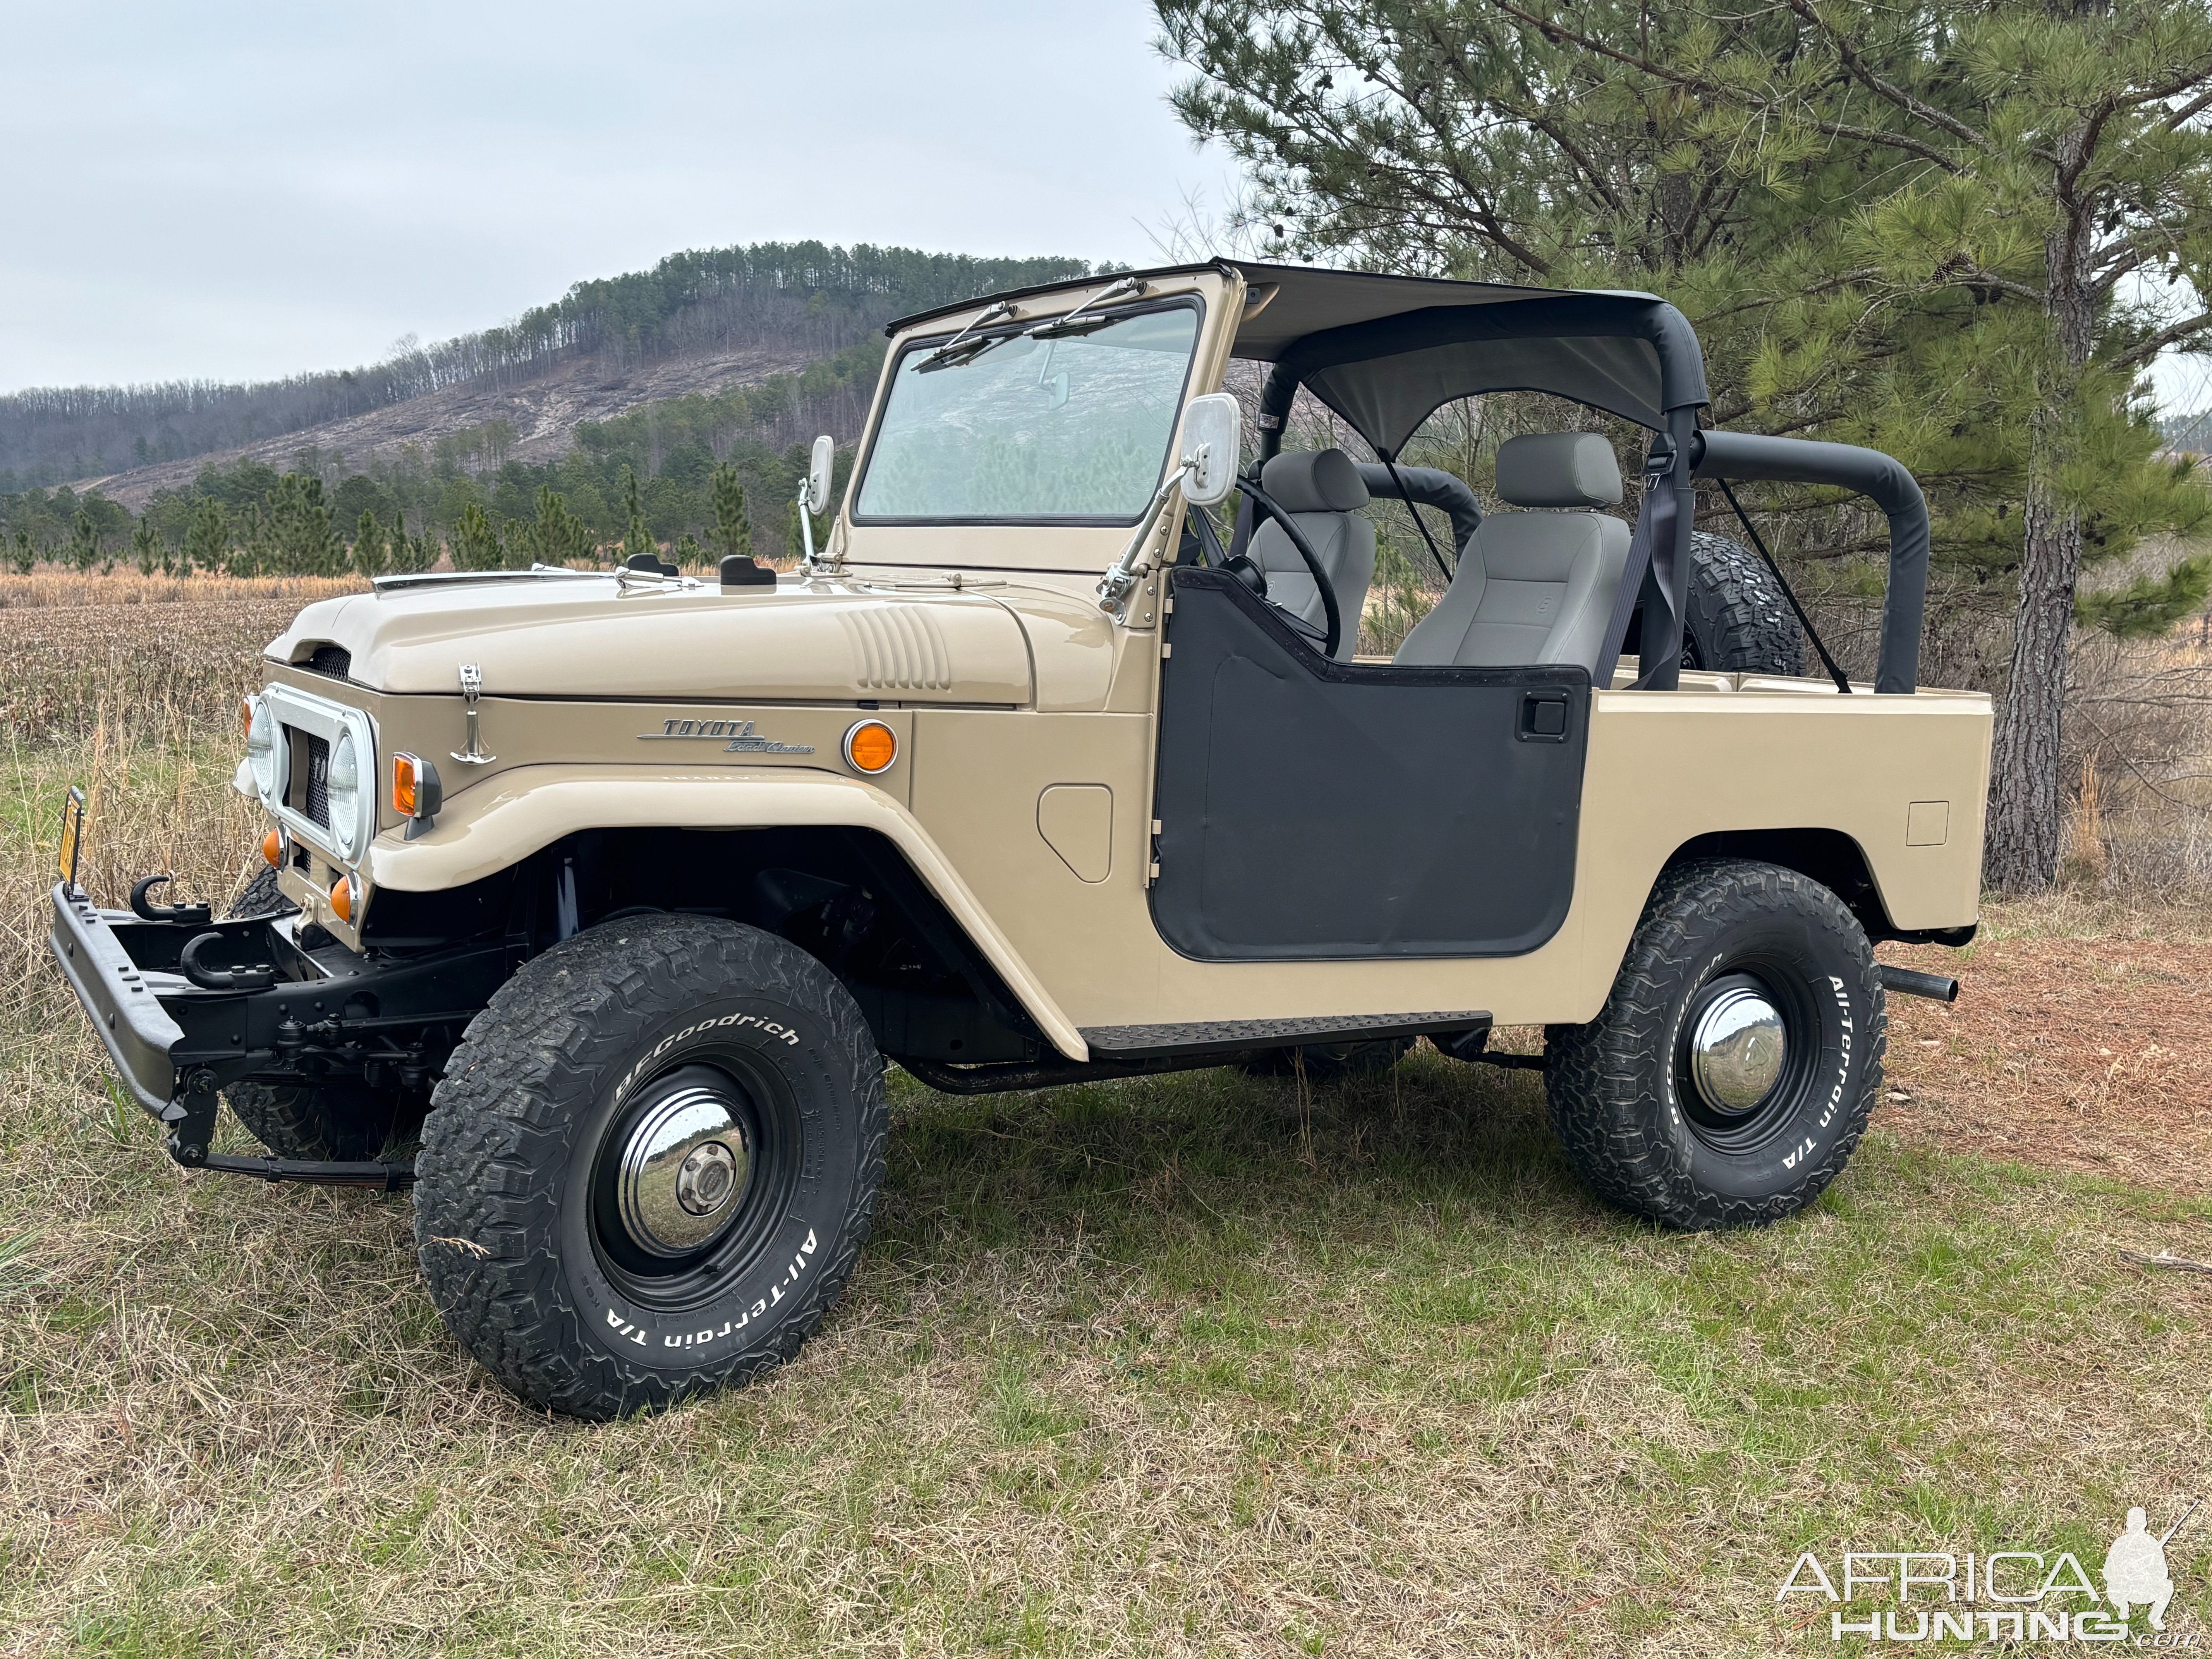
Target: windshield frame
(927, 342)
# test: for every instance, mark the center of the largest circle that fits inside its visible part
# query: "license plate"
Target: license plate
(72, 833)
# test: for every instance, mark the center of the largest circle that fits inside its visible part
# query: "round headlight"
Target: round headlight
(261, 749)
(342, 789)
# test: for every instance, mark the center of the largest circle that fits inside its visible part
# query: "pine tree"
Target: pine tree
(84, 540)
(732, 534)
(477, 541)
(368, 559)
(207, 537)
(23, 553)
(689, 555)
(636, 539)
(145, 546)
(1920, 230)
(556, 537)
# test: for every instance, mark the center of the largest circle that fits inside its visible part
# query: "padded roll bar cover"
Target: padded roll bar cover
(1882, 480)
(1430, 486)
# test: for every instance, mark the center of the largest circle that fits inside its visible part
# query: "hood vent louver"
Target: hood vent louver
(331, 661)
(898, 648)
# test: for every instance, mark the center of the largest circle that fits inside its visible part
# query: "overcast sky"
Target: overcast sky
(236, 190)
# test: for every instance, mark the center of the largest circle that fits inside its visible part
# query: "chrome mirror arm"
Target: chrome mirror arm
(1127, 571)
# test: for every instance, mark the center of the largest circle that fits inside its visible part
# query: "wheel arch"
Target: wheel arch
(530, 813)
(1831, 857)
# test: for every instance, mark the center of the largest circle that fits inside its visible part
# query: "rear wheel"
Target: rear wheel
(651, 1163)
(1729, 1075)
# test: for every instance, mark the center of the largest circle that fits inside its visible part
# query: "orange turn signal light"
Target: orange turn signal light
(272, 846)
(246, 717)
(406, 779)
(342, 899)
(871, 747)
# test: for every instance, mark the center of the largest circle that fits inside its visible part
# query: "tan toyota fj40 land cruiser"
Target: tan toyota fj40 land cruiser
(622, 886)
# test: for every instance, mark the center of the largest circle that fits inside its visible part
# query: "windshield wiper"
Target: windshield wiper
(965, 347)
(1074, 322)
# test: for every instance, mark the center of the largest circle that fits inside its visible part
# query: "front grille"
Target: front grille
(333, 661)
(317, 803)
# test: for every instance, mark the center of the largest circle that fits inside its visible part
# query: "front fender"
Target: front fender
(520, 811)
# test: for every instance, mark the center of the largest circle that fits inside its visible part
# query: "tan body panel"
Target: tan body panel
(1664, 768)
(556, 637)
(533, 806)
(1023, 792)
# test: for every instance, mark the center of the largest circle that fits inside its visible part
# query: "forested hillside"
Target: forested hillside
(783, 303)
(668, 409)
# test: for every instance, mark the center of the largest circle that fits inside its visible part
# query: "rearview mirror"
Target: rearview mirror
(1213, 443)
(818, 469)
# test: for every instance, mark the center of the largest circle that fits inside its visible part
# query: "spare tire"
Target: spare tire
(1737, 620)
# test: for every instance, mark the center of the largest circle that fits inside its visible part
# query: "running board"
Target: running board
(388, 1178)
(1230, 1037)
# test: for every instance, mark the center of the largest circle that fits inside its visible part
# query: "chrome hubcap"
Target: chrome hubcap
(1737, 1050)
(683, 1174)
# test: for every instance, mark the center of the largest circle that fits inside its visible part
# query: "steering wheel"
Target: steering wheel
(1335, 634)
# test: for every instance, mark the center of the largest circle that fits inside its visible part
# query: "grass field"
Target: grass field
(1190, 1365)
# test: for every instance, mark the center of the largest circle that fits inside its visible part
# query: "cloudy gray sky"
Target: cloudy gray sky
(233, 191)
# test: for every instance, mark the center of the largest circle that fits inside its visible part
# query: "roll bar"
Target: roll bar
(1870, 473)
(1431, 487)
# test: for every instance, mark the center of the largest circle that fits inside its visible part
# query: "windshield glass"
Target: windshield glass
(1074, 429)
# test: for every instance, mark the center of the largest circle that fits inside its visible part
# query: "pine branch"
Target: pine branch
(1864, 74)
(2143, 350)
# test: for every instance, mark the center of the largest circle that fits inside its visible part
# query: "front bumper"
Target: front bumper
(176, 1044)
(125, 1010)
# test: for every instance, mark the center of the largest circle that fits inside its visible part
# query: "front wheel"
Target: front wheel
(1730, 1074)
(651, 1163)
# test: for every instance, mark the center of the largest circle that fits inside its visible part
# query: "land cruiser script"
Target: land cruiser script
(738, 732)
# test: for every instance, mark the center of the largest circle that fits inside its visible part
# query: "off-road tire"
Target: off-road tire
(339, 1119)
(511, 1220)
(1737, 620)
(262, 897)
(1329, 1063)
(1617, 1086)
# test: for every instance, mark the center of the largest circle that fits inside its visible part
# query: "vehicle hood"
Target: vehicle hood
(798, 642)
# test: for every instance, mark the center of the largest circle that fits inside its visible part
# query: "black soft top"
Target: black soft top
(1386, 352)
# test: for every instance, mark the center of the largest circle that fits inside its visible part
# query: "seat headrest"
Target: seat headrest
(1559, 468)
(1315, 480)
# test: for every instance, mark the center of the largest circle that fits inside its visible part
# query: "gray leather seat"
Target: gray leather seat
(1320, 490)
(1534, 587)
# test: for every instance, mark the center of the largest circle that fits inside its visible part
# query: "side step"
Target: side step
(1231, 1036)
(389, 1177)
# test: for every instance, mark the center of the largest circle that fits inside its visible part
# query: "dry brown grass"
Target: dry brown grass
(55, 588)
(1183, 1366)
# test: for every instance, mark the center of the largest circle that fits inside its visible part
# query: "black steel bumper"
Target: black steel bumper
(123, 1007)
(176, 1043)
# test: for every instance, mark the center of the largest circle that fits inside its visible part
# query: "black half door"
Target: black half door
(1327, 809)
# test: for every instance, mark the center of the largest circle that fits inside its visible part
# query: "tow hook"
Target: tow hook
(188, 915)
(259, 976)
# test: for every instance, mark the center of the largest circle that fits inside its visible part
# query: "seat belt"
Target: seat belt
(1637, 573)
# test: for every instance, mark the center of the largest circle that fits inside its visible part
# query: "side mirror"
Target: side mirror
(1212, 442)
(818, 471)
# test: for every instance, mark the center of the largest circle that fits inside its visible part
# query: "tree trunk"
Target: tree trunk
(2022, 854)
